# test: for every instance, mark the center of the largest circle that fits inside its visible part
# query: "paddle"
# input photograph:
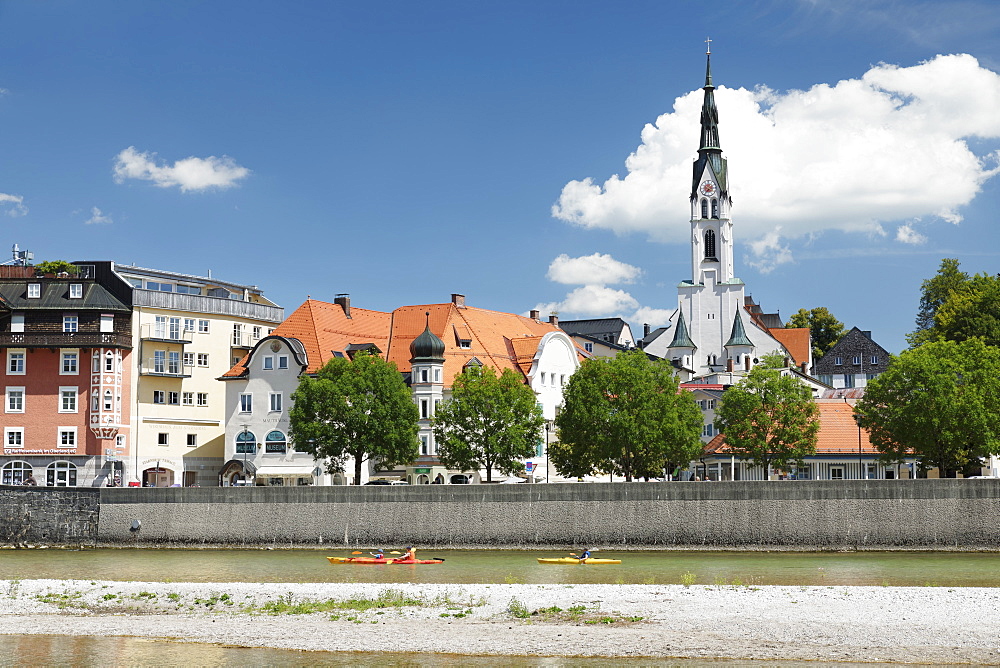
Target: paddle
(395, 552)
(357, 552)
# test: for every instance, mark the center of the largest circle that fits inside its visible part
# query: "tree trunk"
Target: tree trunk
(357, 470)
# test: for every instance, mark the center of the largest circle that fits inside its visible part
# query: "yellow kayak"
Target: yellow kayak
(573, 560)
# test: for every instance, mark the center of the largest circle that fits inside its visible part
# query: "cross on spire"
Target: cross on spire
(708, 41)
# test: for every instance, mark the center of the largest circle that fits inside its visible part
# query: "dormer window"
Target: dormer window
(76, 290)
(34, 290)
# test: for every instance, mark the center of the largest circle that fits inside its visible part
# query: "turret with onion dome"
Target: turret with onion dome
(427, 348)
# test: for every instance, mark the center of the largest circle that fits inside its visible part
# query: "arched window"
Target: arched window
(710, 245)
(246, 442)
(108, 400)
(275, 442)
(109, 362)
(704, 208)
(61, 474)
(15, 473)
(715, 208)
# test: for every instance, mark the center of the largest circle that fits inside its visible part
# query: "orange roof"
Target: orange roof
(498, 340)
(796, 341)
(838, 432)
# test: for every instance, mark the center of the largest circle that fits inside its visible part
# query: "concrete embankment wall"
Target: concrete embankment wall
(875, 514)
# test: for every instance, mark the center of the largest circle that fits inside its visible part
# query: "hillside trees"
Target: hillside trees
(358, 408)
(769, 418)
(491, 422)
(625, 415)
(939, 402)
(824, 329)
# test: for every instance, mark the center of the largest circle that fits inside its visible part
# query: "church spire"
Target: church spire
(681, 337)
(709, 146)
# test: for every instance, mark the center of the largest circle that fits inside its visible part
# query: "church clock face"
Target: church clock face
(707, 188)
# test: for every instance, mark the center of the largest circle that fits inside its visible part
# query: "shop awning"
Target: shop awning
(278, 471)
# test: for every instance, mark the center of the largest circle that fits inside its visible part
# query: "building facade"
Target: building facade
(852, 361)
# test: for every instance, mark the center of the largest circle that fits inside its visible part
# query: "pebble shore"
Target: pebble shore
(927, 625)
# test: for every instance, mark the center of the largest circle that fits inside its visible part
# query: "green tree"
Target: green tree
(938, 402)
(490, 422)
(56, 267)
(824, 329)
(971, 310)
(934, 292)
(625, 415)
(358, 408)
(769, 418)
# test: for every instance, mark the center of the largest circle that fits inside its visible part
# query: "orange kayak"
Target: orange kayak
(373, 560)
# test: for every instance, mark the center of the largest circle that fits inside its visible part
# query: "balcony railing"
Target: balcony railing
(211, 305)
(152, 366)
(245, 340)
(65, 340)
(156, 332)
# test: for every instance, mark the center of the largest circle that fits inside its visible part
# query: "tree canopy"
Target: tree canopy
(939, 402)
(625, 415)
(491, 422)
(769, 418)
(358, 408)
(933, 293)
(824, 329)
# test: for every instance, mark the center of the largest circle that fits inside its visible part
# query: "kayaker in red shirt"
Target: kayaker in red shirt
(378, 554)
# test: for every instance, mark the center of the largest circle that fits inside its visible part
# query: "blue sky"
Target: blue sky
(521, 153)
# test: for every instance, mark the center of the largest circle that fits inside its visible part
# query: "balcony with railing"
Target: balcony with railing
(65, 340)
(245, 340)
(203, 304)
(165, 333)
(165, 367)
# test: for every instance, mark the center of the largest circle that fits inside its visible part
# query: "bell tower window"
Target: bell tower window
(715, 208)
(704, 208)
(710, 245)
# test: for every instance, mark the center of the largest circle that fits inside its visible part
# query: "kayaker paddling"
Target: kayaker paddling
(583, 556)
(378, 554)
(410, 554)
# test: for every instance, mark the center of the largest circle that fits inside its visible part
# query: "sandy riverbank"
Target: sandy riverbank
(870, 624)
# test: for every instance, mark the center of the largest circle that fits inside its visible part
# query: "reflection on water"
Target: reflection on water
(953, 569)
(44, 650)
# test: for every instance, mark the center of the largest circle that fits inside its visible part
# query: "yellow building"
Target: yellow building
(187, 332)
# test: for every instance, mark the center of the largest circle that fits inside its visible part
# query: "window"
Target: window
(423, 445)
(69, 364)
(108, 400)
(715, 208)
(109, 361)
(159, 361)
(704, 208)
(202, 359)
(203, 326)
(424, 375)
(15, 400)
(192, 440)
(76, 290)
(189, 324)
(159, 397)
(708, 430)
(282, 361)
(836, 473)
(543, 378)
(107, 322)
(15, 363)
(188, 359)
(163, 439)
(246, 443)
(589, 347)
(159, 287)
(187, 398)
(275, 402)
(67, 399)
(874, 359)
(848, 380)
(16, 322)
(15, 473)
(189, 289)
(67, 437)
(173, 398)
(839, 361)
(34, 290)
(60, 474)
(13, 437)
(120, 442)
(173, 362)
(203, 398)
(275, 442)
(826, 378)
(237, 334)
(709, 244)
(246, 403)
(437, 372)
(803, 472)
(256, 332)
(856, 359)
(424, 408)
(268, 363)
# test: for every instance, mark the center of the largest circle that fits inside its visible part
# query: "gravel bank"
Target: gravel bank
(865, 624)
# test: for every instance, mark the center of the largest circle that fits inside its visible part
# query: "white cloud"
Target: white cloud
(16, 204)
(189, 174)
(890, 146)
(905, 234)
(97, 217)
(768, 252)
(596, 269)
(592, 301)
(654, 317)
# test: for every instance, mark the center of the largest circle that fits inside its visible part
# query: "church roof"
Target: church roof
(681, 337)
(427, 347)
(739, 335)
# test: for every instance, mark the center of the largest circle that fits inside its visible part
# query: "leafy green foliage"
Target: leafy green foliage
(939, 402)
(824, 329)
(934, 292)
(358, 408)
(490, 422)
(769, 418)
(56, 267)
(957, 307)
(625, 415)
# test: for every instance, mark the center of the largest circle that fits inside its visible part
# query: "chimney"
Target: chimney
(533, 314)
(645, 329)
(458, 300)
(343, 300)
(746, 363)
(804, 369)
(787, 362)
(554, 320)
(729, 365)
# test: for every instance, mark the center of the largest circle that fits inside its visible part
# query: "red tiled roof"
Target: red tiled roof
(796, 341)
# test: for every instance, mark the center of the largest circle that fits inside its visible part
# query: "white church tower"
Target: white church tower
(711, 331)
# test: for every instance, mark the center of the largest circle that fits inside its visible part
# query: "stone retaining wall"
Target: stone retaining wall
(872, 514)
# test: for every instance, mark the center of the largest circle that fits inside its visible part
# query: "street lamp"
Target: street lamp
(546, 451)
